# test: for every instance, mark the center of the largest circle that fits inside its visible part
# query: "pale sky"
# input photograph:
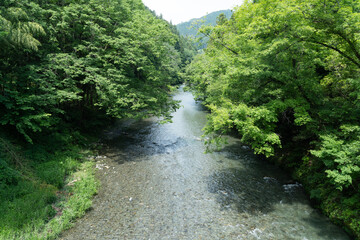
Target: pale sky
(179, 11)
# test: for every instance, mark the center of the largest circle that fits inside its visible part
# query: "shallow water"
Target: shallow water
(157, 183)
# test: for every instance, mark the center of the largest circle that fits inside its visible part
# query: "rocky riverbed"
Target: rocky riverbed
(157, 183)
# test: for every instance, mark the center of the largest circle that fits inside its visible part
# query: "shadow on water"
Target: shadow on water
(134, 141)
(324, 227)
(251, 185)
(200, 107)
(246, 192)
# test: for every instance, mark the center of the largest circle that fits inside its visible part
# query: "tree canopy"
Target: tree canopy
(62, 60)
(285, 76)
(67, 69)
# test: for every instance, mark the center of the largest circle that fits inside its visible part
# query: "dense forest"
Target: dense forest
(66, 68)
(285, 76)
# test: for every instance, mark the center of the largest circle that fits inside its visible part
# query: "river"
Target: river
(157, 183)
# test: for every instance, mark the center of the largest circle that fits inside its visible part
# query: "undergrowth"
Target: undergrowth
(44, 187)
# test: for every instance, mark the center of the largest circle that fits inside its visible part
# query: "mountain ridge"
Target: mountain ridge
(185, 28)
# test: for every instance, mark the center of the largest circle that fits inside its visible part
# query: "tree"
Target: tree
(18, 31)
(284, 75)
(98, 58)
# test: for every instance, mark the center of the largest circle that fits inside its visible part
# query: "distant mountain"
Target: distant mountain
(186, 29)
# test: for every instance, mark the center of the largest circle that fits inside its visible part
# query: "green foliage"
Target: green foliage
(33, 203)
(8, 176)
(42, 197)
(284, 74)
(262, 71)
(341, 155)
(254, 125)
(64, 62)
(66, 66)
(17, 30)
(77, 204)
(52, 173)
(188, 29)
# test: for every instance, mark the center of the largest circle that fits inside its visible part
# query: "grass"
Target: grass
(43, 195)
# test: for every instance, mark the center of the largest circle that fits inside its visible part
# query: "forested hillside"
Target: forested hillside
(189, 29)
(67, 67)
(285, 76)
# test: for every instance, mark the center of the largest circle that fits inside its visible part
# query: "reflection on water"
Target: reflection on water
(159, 184)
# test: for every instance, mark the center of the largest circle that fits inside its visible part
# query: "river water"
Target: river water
(157, 183)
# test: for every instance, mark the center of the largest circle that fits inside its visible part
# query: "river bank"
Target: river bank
(44, 188)
(342, 208)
